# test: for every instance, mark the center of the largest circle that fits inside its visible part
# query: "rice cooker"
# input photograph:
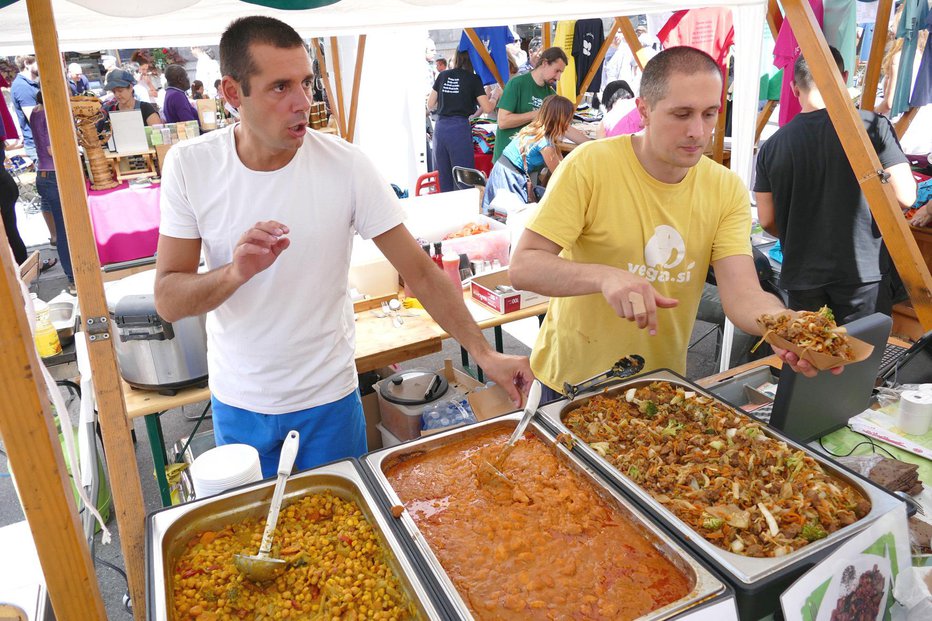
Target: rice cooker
(152, 353)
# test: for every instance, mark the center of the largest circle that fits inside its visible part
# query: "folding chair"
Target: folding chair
(466, 178)
(428, 183)
(24, 173)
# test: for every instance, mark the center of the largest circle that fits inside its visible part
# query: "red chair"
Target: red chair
(427, 184)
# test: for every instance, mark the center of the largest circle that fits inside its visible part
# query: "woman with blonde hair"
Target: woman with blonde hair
(534, 147)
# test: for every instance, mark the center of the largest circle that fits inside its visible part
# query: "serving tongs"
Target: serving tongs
(490, 472)
(626, 367)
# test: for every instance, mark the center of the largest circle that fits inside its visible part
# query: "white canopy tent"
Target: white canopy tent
(402, 22)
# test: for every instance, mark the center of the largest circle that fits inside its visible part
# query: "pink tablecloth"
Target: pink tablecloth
(125, 221)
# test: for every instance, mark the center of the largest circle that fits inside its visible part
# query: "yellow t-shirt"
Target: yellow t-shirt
(563, 38)
(602, 207)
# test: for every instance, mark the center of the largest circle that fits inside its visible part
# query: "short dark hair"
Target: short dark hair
(680, 59)
(552, 55)
(176, 75)
(802, 76)
(235, 58)
(39, 101)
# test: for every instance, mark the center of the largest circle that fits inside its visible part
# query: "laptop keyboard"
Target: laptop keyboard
(891, 354)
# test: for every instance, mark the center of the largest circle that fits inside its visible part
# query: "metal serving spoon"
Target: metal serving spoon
(492, 471)
(262, 567)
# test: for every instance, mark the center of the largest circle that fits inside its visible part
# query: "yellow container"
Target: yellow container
(46, 336)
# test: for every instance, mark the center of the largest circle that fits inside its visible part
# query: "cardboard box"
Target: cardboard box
(370, 408)
(482, 290)
(405, 422)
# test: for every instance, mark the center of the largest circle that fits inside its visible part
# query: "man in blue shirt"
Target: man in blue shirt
(23, 90)
(77, 81)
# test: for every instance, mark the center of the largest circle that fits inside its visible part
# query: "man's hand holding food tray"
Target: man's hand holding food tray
(812, 337)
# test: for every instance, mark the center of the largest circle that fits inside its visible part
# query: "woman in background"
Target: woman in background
(621, 114)
(530, 150)
(457, 93)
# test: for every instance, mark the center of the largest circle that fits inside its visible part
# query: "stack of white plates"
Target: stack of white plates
(223, 468)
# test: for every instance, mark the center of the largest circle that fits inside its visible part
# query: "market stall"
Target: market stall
(30, 439)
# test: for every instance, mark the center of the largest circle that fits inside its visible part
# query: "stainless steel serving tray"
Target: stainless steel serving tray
(705, 585)
(748, 570)
(168, 530)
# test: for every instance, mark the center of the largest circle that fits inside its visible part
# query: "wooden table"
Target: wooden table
(378, 344)
(117, 160)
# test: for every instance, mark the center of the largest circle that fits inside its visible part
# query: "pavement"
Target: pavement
(176, 424)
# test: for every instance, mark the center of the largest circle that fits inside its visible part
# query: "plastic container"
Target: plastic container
(451, 267)
(45, 335)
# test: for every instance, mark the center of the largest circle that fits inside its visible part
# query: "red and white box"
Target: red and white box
(483, 290)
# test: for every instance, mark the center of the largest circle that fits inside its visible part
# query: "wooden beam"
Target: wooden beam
(360, 53)
(718, 139)
(48, 503)
(774, 18)
(338, 80)
(874, 61)
(597, 61)
(905, 121)
(547, 40)
(864, 162)
(762, 118)
(631, 37)
(322, 67)
(484, 54)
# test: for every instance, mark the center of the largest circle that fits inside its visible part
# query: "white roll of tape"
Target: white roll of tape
(915, 412)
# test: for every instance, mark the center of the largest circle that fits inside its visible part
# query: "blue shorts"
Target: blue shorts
(328, 432)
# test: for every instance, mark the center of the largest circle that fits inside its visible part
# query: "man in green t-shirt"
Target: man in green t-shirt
(523, 96)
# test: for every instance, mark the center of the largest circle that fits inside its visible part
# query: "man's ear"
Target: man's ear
(231, 90)
(643, 110)
(795, 89)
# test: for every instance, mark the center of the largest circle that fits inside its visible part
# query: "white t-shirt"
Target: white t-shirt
(285, 341)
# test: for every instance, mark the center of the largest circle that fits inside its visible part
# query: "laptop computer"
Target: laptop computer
(807, 408)
(908, 365)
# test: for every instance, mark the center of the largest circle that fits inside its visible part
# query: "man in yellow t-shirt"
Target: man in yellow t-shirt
(628, 228)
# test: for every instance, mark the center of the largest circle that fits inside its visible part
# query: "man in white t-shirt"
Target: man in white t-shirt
(274, 208)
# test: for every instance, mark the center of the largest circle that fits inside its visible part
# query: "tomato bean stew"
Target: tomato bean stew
(549, 547)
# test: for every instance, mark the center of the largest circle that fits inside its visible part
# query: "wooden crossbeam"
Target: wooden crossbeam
(631, 38)
(484, 54)
(548, 39)
(864, 162)
(774, 18)
(597, 61)
(874, 61)
(360, 54)
(338, 79)
(905, 121)
(764, 116)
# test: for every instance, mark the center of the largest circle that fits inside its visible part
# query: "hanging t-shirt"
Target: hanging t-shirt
(588, 36)
(912, 21)
(285, 340)
(563, 39)
(841, 31)
(457, 92)
(922, 89)
(494, 38)
(602, 207)
(708, 29)
(785, 52)
(522, 94)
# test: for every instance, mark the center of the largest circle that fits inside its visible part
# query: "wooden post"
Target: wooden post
(597, 61)
(360, 53)
(547, 39)
(878, 43)
(117, 440)
(774, 17)
(763, 117)
(905, 121)
(484, 53)
(718, 140)
(631, 37)
(338, 78)
(322, 67)
(864, 162)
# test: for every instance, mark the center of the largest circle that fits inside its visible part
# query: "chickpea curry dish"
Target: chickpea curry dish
(338, 569)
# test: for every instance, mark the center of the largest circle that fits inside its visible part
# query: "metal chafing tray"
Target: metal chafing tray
(758, 581)
(706, 586)
(168, 530)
